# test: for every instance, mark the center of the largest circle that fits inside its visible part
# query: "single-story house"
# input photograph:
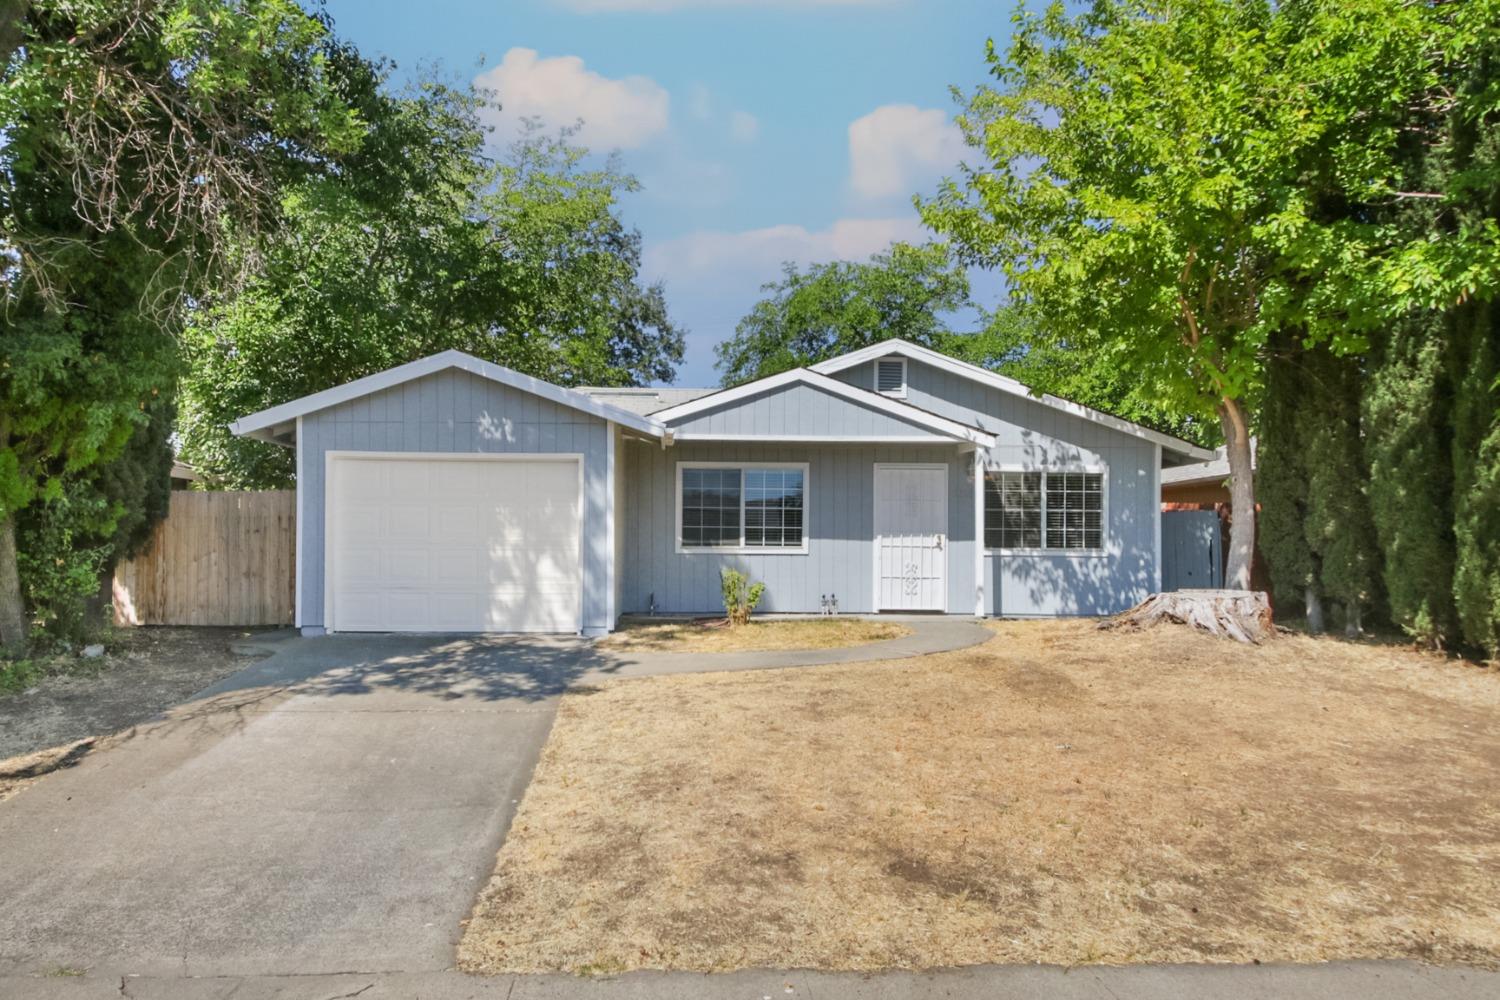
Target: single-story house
(452, 494)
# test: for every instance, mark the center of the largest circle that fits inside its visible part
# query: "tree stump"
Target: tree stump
(1242, 615)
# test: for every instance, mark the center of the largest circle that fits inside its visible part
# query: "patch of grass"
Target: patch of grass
(1058, 795)
(18, 675)
(759, 635)
(67, 972)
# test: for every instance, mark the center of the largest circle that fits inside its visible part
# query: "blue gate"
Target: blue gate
(1191, 550)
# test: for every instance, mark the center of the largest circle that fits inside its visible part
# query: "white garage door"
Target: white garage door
(443, 544)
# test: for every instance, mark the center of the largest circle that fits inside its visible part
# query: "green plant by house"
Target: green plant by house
(740, 595)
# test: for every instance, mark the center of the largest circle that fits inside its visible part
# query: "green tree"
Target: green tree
(138, 133)
(1406, 406)
(70, 545)
(830, 309)
(426, 245)
(1157, 184)
(1339, 527)
(1011, 343)
(1476, 475)
(1283, 482)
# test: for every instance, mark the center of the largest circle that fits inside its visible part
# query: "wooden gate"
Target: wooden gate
(219, 558)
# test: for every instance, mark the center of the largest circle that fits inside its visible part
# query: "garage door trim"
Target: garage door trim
(330, 607)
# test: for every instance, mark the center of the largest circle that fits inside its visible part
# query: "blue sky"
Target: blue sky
(762, 130)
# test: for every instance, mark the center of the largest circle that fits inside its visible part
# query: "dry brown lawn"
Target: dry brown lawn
(1057, 795)
(759, 636)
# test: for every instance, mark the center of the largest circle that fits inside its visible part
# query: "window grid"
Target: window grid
(745, 507)
(773, 508)
(710, 508)
(1055, 511)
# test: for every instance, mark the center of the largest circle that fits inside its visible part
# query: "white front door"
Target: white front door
(911, 538)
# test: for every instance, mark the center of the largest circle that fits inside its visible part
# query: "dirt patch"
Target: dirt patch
(715, 635)
(145, 671)
(1057, 795)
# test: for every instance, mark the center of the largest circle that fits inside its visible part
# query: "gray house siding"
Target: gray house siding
(1033, 436)
(840, 523)
(799, 410)
(454, 411)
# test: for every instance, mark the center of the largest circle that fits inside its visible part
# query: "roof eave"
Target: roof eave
(256, 425)
(916, 352)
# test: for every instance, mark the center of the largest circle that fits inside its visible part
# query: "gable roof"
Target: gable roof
(266, 423)
(906, 349)
(802, 376)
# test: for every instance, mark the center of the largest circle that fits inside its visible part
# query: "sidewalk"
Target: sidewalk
(1361, 980)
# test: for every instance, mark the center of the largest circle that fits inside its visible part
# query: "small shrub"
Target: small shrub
(740, 595)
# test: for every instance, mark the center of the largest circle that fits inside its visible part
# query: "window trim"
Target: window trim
(891, 394)
(1102, 552)
(742, 549)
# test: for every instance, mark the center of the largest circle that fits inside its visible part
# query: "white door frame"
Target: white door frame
(331, 456)
(875, 536)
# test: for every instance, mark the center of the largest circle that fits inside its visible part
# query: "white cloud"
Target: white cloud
(713, 259)
(896, 148)
(617, 113)
(596, 6)
(743, 126)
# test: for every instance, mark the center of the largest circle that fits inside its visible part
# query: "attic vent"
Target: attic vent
(890, 376)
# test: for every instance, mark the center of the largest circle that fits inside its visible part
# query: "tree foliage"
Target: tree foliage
(425, 245)
(830, 309)
(1166, 183)
(137, 134)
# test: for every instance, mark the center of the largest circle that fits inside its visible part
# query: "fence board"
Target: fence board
(219, 558)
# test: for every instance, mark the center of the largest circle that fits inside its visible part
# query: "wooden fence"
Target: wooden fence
(219, 558)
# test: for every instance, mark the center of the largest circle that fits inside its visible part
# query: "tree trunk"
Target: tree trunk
(1353, 620)
(1242, 615)
(1236, 424)
(1314, 601)
(14, 637)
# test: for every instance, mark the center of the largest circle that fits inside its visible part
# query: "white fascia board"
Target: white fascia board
(804, 376)
(247, 426)
(1005, 384)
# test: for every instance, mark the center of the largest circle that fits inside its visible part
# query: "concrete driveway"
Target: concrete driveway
(340, 823)
(334, 807)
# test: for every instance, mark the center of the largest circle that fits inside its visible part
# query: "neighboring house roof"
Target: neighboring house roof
(183, 471)
(644, 401)
(939, 425)
(1212, 472)
(278, 423)
(906, 349)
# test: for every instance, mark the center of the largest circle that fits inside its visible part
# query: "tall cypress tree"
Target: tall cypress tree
(1338, 526)
(1476, 475)
(1406, 410)
(1282, 483)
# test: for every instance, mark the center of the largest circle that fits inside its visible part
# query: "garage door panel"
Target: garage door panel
(454, 522)
(428, 544)
(409, 521)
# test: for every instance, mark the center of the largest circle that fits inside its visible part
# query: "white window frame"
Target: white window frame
(894, 394)
(1101, 552)
(742, 549)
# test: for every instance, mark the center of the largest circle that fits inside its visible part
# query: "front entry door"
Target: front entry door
(911, 537)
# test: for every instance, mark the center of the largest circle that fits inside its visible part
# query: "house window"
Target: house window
(890, 376)
(1061, 511)
(750, 508)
